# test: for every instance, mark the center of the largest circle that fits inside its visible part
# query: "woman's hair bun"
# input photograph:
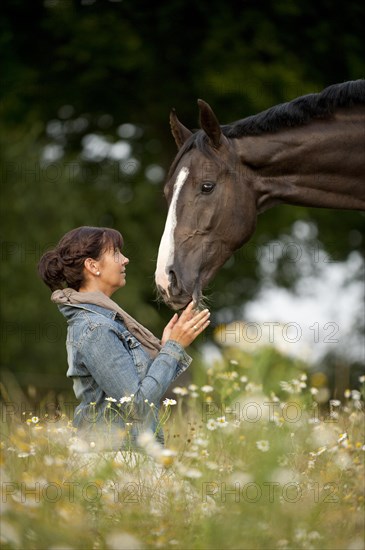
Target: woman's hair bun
(50, 269)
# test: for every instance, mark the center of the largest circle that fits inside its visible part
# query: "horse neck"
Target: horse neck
(321, 164)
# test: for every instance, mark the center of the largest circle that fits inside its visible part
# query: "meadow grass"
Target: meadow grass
(251, 461)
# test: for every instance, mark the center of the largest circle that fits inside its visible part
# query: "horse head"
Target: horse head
(210, 215)
(307, 152)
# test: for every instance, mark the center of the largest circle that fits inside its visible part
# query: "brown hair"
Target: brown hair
(64, 265)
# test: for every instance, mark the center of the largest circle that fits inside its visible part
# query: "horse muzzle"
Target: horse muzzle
(175, 295)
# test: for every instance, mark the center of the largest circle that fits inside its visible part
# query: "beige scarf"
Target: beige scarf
(70, 296)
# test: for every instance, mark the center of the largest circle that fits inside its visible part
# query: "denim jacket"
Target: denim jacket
(106, 361)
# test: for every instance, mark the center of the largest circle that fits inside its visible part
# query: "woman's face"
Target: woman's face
(112, 266)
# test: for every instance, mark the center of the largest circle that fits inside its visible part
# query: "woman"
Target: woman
(120, 371)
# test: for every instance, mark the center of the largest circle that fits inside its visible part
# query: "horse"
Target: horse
(308, 152)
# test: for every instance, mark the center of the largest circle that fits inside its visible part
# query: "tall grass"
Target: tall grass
(251, 461)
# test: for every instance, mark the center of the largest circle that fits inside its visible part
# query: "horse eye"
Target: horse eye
(207, 187)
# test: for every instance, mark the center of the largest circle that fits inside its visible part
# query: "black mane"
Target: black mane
(297, 112)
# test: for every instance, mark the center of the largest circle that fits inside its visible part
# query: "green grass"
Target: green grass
(249, 463)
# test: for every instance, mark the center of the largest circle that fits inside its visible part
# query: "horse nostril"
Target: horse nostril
(172, 278)
(174, 285)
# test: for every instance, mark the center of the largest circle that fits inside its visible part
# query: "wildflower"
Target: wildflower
(180, 391)
(221, 422)
(347, 393)
(125, 399)
(362, 378)
(146, 438)
(321, 451)
(358, 404)
(294, 386)
(342, 437)
(229, 375)
(167, 457)
(263, 445)
(343, 460)
(314, 391)
(211, 424)
(119, 539)
(201, 442)
(111, 399)
(78, 445)
(48, 460)
(190, 454)
(92, 444)
(207, 389)
(192, 387)
(335, 403)
(168, 402)
(212, 466)
(233, 362)
(194, 394)
(35, 419)
(243, 379)
(193, 473)
(152, 405)
(253, 388)
(356, 395)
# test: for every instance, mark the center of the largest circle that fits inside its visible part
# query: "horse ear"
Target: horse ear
(209, 123)
(180, 133)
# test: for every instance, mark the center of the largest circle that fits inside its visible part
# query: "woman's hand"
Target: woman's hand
(187, 327)
(168, 328)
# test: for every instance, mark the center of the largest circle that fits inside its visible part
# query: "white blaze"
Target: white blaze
(167, 246)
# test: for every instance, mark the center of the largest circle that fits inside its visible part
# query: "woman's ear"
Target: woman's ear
(91, 266)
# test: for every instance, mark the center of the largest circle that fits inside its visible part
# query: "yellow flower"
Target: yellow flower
(167, 457)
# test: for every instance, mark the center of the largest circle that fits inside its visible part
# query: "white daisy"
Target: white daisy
(263, 445)
(211, 424)
(221, 422)
(168, 402)
(180, 391)
(125, 399)
(207, 389)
